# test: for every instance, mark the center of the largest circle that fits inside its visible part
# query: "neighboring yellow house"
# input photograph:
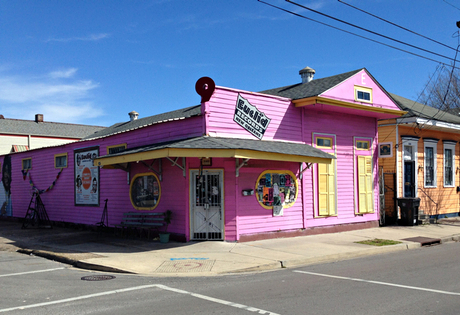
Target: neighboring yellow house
(419, 157)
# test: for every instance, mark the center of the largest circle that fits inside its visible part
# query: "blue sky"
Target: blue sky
(92, 62)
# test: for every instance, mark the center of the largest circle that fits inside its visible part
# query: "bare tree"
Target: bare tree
(444, 91)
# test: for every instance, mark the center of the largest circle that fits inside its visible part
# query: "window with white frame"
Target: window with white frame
(430, 162)
(409, 167)
(449, 163)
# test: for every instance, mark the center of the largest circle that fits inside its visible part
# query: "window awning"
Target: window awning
(217, 147)
(19, 148)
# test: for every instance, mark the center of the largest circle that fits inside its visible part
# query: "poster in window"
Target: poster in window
(277, 190)
(86, 177)
(385, 150)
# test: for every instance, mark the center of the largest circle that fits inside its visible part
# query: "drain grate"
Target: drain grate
(424, 241)
(98, 278)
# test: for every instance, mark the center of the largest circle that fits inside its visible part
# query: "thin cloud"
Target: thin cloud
(59, 101)
(68, 73)
(89, 38)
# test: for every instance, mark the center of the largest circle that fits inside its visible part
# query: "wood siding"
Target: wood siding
(437, 200)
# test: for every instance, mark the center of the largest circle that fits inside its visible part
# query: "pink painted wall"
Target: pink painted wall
(293, 124)
(344, 127)
(114, 185)
(243, 214)
(345, 91)
(285, 121)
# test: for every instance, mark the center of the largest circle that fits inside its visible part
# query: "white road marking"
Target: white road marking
(211, 299)
(160, 286)
(29, 272)
(379, 282)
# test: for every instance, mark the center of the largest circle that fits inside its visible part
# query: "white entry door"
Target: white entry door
(206, 205)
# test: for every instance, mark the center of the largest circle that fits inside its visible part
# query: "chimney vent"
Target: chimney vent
(133, 115)
(307, 74)
(38, 118)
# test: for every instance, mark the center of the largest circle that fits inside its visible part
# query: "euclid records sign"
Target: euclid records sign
(250, 118)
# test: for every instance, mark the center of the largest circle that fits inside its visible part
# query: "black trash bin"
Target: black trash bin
(409, 210)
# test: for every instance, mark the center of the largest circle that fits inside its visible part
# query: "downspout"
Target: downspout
(302, 180)
(397, 161)
(29, 137)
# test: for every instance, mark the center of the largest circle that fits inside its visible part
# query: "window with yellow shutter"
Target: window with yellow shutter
(365, 185)
(325, 178)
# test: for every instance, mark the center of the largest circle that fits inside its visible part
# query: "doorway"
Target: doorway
(206, 205)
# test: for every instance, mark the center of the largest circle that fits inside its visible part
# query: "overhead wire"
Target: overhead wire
(367, 30)
(375, 41)
(354, 34)
(396, 25)
(452, 5)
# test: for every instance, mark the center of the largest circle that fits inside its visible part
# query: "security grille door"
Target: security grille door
(207, 214)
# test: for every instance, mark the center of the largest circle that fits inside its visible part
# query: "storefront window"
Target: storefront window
(276, 189)
(145, 191)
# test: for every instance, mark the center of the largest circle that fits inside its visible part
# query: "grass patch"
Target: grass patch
(379, 242)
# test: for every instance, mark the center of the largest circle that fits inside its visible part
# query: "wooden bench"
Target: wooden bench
(141, 221)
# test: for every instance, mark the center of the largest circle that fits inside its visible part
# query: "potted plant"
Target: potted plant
(164, 236)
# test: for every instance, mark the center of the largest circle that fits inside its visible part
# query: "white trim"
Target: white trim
(451, 146)
(430, 143)
(428, 122)
(413, 142)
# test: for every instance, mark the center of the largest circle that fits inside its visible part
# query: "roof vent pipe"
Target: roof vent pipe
(133, 115)
(307, 74)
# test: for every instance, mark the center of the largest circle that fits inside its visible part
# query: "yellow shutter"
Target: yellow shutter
(326, 189)
(365, 185)
(322, 189)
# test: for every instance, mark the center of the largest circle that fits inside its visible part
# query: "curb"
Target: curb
(69, 261)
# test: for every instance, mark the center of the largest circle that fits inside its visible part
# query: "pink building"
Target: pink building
(240, 166)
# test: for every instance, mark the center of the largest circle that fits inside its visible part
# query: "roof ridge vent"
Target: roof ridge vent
(307, 74)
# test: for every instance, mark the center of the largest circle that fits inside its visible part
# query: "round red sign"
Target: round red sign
(86, 178)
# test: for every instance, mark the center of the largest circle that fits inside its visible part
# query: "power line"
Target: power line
(451, 5)
(354, 34)
(394, 24)
(369, 31)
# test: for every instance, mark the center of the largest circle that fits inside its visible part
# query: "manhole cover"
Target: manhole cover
(186, 266)
(98, 278)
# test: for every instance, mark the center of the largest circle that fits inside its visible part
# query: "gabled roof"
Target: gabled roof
(46, 129)
(312, 88)
(416, 109)
(220, 147)
(147, 121)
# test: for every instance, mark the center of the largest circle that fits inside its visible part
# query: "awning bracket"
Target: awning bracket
(160, 170)
(238, 165)
(174, 163)
(307, 167)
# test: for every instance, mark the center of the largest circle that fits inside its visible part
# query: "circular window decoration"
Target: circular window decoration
(145, 191)
(276, 188)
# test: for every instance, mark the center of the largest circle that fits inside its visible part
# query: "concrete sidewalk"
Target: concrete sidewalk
(105, 252)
